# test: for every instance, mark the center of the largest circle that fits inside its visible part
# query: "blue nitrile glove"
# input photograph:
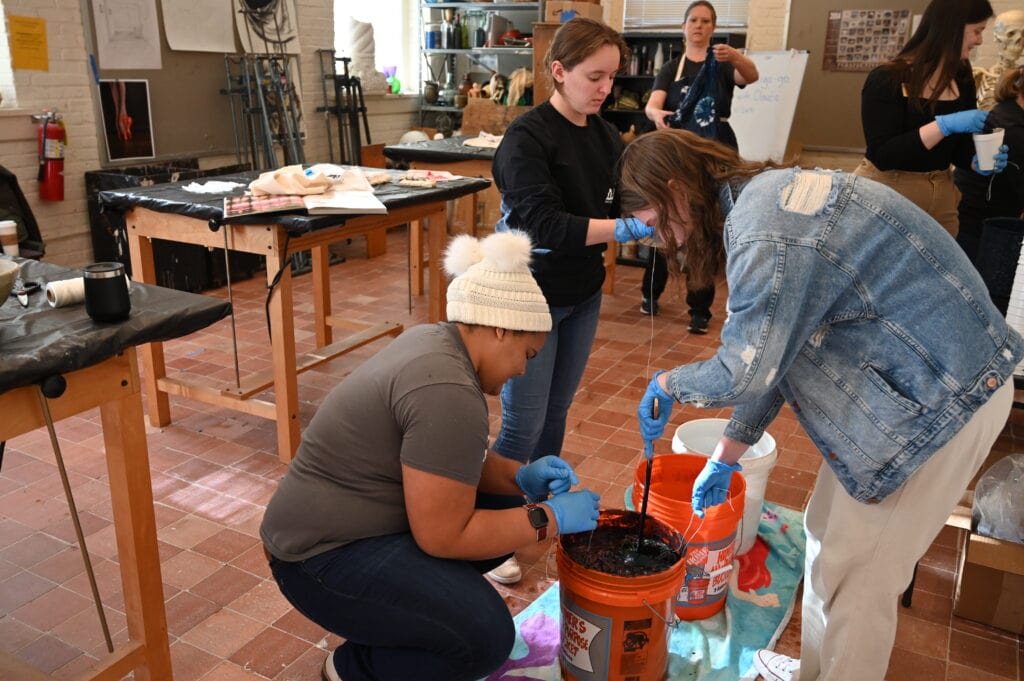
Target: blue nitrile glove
(712, 485)
(972, 120)
(546, 474)
(575, 511)
(1000, 161)
(652, 428)
(632, 229)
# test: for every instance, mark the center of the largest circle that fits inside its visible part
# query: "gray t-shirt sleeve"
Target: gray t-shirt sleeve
(437, 437)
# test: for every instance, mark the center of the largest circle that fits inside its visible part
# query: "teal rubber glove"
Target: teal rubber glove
(972, 120)
(632, 229)
(548, 474)
(712, 485)
(652, 426)
(575, 511)
(1001, 159)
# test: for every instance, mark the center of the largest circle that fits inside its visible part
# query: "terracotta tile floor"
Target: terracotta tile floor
(213, 470)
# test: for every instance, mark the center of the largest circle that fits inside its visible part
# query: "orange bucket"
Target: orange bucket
(616, 628)
(710, 541)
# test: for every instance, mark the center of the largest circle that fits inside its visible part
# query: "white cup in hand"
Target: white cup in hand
(987, 146)
(9, 237)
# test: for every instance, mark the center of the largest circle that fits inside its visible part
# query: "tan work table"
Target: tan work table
(98, 362)
(168, 212)
(453, 155)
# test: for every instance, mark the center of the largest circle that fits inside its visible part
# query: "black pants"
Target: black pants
(656, 278)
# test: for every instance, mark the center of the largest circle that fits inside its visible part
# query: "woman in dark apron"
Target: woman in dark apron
(670, 89)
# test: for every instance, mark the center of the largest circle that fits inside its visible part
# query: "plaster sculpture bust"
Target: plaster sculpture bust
(362, 48)
(1009, 36)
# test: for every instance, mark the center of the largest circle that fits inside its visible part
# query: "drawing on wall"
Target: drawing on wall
(861, 39)
(199, 25)
(127, 34)
(267, 26)
(127, 123)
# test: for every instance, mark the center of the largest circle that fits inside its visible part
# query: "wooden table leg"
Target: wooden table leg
(152, 354)
(322, 294)
(416, 257)
(437, 239)
(376, 243)
(131, 498)
(286, 383)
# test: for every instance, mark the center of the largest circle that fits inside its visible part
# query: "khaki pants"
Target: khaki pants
(860, 557)
(932, 192)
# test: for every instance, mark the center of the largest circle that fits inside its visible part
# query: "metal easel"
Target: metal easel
(265, 112)
(344, 100)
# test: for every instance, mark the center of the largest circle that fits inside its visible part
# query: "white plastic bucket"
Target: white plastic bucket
(700, 437)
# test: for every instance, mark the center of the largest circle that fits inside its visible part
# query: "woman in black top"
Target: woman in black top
(670, 87)
(918, 109)
(1000, 196)
(555, 169)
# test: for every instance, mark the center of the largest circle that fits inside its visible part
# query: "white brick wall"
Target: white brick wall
(67, 86)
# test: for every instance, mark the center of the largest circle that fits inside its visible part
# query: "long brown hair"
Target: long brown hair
(1010, 84)
(579, 38)
(697, 167)
(936, 46)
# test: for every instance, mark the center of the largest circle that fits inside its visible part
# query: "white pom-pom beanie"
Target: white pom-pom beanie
(493, 285)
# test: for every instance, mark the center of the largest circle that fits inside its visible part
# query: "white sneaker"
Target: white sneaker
(776, 667)
(329, 672)
(508, 572)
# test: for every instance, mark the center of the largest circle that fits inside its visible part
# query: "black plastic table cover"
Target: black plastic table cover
(172, 198)
(39, 341)
(438, 151)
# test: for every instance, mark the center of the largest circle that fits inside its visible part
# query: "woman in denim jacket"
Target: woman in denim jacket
(857, 309)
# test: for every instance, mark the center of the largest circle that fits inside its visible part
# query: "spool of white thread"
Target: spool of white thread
(66, 292)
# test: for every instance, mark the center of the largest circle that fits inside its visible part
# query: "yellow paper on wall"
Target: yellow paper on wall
(27, 37)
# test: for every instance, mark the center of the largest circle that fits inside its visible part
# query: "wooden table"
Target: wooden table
(99, 364)
(453, 155)
(167, 212)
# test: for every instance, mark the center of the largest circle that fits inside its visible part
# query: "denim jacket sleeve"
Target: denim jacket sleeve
(775, 306)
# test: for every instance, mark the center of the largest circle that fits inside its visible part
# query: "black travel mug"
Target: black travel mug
(106, 292)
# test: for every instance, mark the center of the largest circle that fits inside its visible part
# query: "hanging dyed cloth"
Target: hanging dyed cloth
(697, 111)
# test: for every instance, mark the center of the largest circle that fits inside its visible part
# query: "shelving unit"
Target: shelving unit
(448, 66)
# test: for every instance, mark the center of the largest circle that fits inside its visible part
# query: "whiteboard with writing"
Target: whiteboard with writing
(762, 113)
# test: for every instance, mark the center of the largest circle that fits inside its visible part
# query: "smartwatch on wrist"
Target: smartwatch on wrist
(539, 519)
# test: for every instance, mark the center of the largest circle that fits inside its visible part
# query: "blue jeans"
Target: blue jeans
(405, 614)
(534, 405)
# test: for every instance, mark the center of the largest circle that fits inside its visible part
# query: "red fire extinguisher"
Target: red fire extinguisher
(52, 140)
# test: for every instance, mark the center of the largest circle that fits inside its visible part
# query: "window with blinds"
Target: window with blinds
(660, 15)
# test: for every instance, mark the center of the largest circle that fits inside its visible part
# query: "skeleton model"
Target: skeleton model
(1009, 36)
(362, 47)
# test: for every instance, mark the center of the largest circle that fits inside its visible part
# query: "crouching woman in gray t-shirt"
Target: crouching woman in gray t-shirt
(374, 532)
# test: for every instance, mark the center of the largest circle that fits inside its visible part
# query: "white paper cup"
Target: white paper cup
(9, 237)
(987, 146)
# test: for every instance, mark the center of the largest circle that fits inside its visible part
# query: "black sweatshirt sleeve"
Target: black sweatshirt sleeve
(530, 193)
(883, 114)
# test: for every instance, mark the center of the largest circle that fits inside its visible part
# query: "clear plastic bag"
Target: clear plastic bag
(999, 500)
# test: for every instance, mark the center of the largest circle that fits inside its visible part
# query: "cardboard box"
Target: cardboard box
(990, 582)
(554, 10)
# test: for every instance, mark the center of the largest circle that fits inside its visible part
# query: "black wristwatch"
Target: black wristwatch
(539, 519)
